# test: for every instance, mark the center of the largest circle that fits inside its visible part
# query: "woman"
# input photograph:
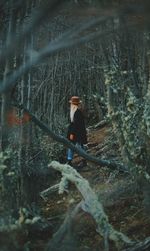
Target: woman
(76, 131)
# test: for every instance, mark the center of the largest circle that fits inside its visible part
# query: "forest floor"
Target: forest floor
(117, 192)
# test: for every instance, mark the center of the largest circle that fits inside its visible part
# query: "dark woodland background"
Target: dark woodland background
(50, 51)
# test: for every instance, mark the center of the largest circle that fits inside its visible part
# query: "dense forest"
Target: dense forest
(51, 50)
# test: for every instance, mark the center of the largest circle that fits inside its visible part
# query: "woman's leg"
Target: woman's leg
(69, 155)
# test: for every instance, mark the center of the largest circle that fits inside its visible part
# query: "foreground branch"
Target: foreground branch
(69, 39)
(64, 230)
(38, 16)
(91, 203)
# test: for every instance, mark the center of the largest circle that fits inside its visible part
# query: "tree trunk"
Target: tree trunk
(6, 110)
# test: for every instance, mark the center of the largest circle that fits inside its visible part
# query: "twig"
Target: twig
(49, 190)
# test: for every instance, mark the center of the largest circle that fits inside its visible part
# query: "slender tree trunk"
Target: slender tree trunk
(6, 97)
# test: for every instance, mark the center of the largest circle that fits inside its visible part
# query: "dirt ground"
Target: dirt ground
(123, 205)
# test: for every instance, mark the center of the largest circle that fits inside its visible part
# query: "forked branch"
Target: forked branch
(91, 203)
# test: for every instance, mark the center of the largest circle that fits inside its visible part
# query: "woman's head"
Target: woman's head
(75, 100)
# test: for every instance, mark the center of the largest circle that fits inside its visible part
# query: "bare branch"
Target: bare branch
(67, 40)
(49, 190)
(48, 8)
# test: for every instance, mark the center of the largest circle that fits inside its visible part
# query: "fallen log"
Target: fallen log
(91, 203)
(59, 138)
